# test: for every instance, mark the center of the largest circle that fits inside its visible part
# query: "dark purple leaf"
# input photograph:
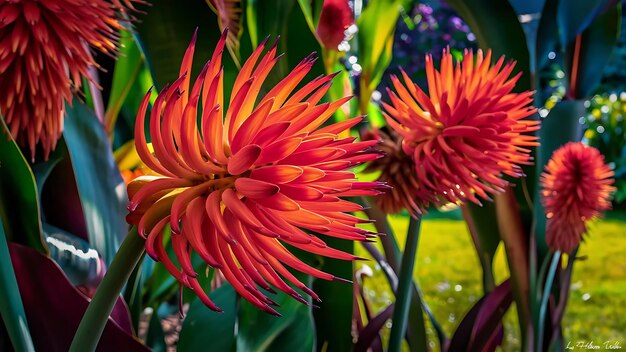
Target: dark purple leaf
(54, 307)
(371, 330)
(480, 329)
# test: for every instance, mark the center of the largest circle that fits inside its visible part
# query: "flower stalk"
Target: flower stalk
(403, 294)
(97, 313)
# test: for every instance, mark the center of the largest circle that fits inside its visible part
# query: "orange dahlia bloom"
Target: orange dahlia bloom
(44, 52)
(468, 130)
(576, 188)
(249, 178)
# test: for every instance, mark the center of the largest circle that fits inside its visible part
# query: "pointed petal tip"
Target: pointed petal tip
(335, 278)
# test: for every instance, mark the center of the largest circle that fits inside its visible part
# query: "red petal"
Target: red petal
(278, 201)
(278, 150)
(252, 188)
(244, 159)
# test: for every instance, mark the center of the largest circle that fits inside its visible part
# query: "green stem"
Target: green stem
(97, 313)
(543, 307)
(405, 281)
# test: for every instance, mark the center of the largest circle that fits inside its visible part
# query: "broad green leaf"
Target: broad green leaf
(267, 18)
(377, 26)
(19, 203)
(283, 18)
(129, 63)
(133, 293)
(125, 125)
(205, 329)
(574, 17)
(496, 27)
(333, 318)
(261, 332)
(80, 263)
(11, 307)
(101, 188)
(595, 48)
(299, 42)
(165, 32)
(42, 170)
(547, 36)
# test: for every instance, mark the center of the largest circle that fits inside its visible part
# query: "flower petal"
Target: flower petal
(244, 159)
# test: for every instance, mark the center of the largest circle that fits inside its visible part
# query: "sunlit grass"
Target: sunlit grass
(450, 276)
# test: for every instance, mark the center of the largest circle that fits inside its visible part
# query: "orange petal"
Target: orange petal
(277, 174)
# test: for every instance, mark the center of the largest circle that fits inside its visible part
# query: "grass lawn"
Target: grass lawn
(450, 276)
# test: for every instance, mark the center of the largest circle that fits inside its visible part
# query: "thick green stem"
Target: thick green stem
(97, 313)
(405, 281)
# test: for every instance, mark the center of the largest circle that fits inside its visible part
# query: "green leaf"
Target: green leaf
(101, 188)
(79, 262)
(300, 42)
(129, 63)
(11, 307)
(285, 19)
(574, 17)
(307, 11)
(267, 18)
(133, 293)
(377, 26)
(124, 128)
(260, 332)
(547, 34)
(165, 32)
(203, 327)
(404, 291)
(596, 45)
(42, 170)
(333, 318)
(19, 203)
(495, 24)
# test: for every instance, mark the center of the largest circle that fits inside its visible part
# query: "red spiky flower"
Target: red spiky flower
(45, 49)
(468, 131)
(249, 178)
(576, 188)
(397, 170)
